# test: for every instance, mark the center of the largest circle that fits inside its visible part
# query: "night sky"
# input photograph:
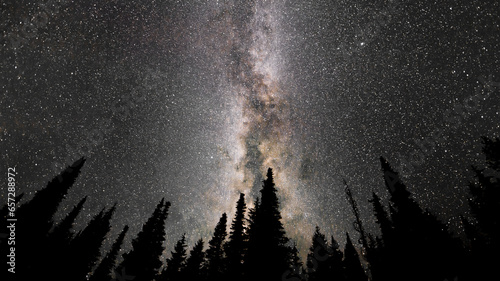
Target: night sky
(194, 100)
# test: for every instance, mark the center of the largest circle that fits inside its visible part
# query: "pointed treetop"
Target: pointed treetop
(79, 163)
(348, 239)
(242, 198)
(270, 173)
(110, 212)
(393, 182)
(385, 164)
(269, 181)
(75, 167)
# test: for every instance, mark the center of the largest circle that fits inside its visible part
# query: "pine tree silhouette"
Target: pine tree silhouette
(317, 258)
(382, 218)
(35, 220)
(358, 224)
(297, 272)
(61, 234)
(382, 249)
(236, 245)
(176, 263)
(193, 269)
(254, 235)
(420, 240)
(484, 232)
(58, 241)
(335, 263)
(143, 261)
(367, 252)
(84, 250)
(268, 257)
(104, 270)
(252, 221)
(214, 266)
(352, 265)
(37, 213)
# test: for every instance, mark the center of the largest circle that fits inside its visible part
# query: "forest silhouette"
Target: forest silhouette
(411, 244)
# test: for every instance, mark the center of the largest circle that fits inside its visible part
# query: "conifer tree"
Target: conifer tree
(176, 263)
(251, 257)
(36, 214)
(382, 218)
(252, 222)
(317, 258)
(35, 220)
(214, 265)
(193, 269)
(335, 264)
(297, 271)
(143, 260)
(268, 257)
(382, 249)
(483, 231)
(419, 239)
(84, 250)
(485, 191)
(58, 241)
(352, 265)
(235, 247)
(358, 225)
(61, 234)
(104, 270)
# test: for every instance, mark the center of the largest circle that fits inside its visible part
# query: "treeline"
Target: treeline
(412, 243)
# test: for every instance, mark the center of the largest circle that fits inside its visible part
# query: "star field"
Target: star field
(194, 100)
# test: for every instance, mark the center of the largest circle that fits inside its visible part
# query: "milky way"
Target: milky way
(261, 130)
(194, 100)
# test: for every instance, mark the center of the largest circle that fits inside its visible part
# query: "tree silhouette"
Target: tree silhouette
(236, 245)
(254, 235)
(419, 239)
(176, 263)
(381, 249)
(297, 271)
(84, 250)
(382, 218)
(358, 224)
(104, 270)
(193, 269)
(352, 266)
(335, 263)
(214, 265)
(58, 241)
(485, 192)
(484, 232)
(268, 257)
(61, 234)
(317, 258)
(143, 261)
(35, 219)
